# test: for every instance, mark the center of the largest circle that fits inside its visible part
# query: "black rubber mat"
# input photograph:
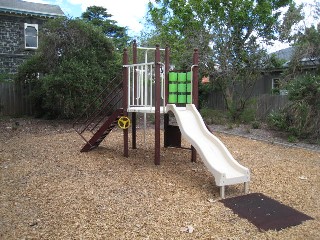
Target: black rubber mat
(264, 212)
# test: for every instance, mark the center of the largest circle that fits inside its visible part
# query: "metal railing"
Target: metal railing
(141, 88)
(100, 108)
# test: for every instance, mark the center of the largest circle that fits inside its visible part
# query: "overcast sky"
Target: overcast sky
(130, 13)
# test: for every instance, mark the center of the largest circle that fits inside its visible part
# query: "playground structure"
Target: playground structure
(150, 87)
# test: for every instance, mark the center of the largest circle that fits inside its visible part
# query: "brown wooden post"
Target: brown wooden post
(125, 101)
(134, 129)
(193, 154)
(157, 106)
(134, 115)
(195, 92)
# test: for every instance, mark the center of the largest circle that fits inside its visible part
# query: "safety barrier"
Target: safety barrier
(141, 87)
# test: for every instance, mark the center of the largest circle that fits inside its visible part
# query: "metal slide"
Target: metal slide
(219, 161)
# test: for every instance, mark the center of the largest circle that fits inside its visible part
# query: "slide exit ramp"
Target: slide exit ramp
(219, 161)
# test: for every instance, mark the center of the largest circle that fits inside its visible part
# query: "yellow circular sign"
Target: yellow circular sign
(124, 122)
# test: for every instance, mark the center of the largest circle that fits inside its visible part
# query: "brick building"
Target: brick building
(20, 23)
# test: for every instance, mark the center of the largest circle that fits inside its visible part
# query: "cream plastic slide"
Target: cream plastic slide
(225, 169)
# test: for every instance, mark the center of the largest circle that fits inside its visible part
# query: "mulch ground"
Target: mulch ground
(49, 190)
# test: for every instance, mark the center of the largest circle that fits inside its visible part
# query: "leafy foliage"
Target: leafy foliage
(227, 35)
(73, 64)
(275, 62)
(212, 116)
(302, 117)
(98, 16)
(307, 49)
(5, 77)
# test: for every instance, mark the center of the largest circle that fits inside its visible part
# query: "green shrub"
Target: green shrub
(213, 116)
(248, 115)
(256, 124)
(277, 120)
(6, 77)
(292, 139)
(301, 118)
(74, 63)
(304, 110)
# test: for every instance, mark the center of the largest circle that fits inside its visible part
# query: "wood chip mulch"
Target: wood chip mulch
(49, 190)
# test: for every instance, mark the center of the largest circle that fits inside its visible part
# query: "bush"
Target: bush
(278, 121)
(74, 62)
(4, 77)
(302, 117)
(256, 124)
(248, 115)
(213, 116)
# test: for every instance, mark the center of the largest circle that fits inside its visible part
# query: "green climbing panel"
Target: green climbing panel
(180, 87)
(173, 87)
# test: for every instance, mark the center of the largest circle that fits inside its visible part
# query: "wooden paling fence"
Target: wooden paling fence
(267, 103)
(15, 99)
(215, 100)
(264, 103)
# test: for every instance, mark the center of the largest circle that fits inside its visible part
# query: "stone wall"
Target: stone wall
(12, 50)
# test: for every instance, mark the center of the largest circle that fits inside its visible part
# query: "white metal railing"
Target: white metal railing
(141, 87)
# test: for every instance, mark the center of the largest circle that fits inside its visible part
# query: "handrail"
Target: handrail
(106, 107)
(94, 100)
(101, 110)
(138, 64)
(104, 103)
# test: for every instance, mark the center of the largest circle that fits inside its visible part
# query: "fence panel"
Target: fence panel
(267, 103)
(15, 100)
(216, 101)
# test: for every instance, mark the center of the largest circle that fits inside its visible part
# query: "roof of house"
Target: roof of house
(30, 8)
(285, 54)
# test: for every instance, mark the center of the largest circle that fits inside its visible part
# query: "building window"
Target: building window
(276, 83)
(275, 88)
(31, 36)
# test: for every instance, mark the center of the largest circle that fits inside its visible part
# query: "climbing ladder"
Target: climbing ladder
(101, 115)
